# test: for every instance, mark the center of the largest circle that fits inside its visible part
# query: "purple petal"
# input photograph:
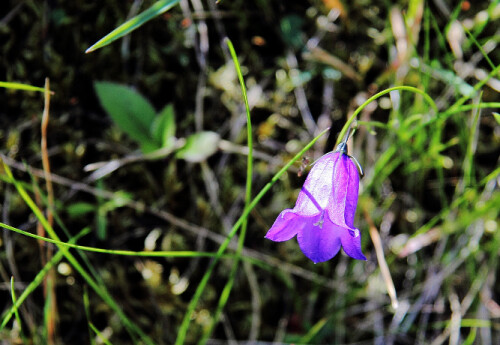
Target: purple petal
(351, 243)
(352, 195)
(284, 227)
(345, 185)
(323, 216)
(316, 191)
(319, 243)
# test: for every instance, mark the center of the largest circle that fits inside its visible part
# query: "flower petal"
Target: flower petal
(344, 197)
(284, 227)
(316, 191)
(319, 243)
(352, 195)
(351, 243)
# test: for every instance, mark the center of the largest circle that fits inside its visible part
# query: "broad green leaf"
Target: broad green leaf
(130, 111)
(130, 25)
(163, 127)
(150, 146)
(19, 86)
(199, 147)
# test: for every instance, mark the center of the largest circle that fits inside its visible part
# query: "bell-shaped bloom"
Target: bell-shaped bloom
(323, 217)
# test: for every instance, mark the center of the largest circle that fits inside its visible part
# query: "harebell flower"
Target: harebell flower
(323, 216)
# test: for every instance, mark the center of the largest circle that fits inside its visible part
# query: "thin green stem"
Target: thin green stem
(468, 167)
(72, 260)
(378, 95)
(476, 43)
(461, 101)
(99, 334)
(224, 297)
(180, 254)
(14, 306)
(468, 107)
(86, 306)
(204, 281)
(38, 280)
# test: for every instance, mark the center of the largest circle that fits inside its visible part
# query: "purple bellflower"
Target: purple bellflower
(323, 216)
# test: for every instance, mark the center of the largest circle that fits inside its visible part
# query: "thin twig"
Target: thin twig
(300, 96)
(256, 302)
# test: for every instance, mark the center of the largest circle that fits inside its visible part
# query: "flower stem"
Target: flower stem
(378, 95)
(204, 281)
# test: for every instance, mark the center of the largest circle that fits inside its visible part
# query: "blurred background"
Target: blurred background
(429, 195)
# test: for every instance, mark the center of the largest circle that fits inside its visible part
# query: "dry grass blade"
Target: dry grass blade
(50, 278)
(384, 268)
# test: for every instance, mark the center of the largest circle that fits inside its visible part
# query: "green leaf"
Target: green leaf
(19, 86)
(130, 25)
(80, 209)
(163, 127)
(131, 112)
(199, 147)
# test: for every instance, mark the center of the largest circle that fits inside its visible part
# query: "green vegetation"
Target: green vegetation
(137, 185)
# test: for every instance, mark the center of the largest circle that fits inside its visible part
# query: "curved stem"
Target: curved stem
(248, 196)
(203, 283)
(378, 95)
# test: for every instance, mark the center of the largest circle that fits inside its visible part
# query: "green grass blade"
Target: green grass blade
(86, 306)
(203, 283)
(468, 107)
(248, 195)
(15, 307)
(74, 262)
(497, 117)
(471, 338)
(464, 99)
(38, 280)
(378, 95)
(318, 326)
(93, 272)
(24, 87)
(171, 254)
(99, 334)
(468, 167)
(476, 43)
(47, 309)
(130, 25)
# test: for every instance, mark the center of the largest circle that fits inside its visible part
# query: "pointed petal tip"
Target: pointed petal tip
(269, 237)
(360, 256)
(280, 236)
(284, 228)
(351, 243)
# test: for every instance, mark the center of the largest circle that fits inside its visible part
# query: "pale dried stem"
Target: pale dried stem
(256, 302)
(384, 268)
(49, 280)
